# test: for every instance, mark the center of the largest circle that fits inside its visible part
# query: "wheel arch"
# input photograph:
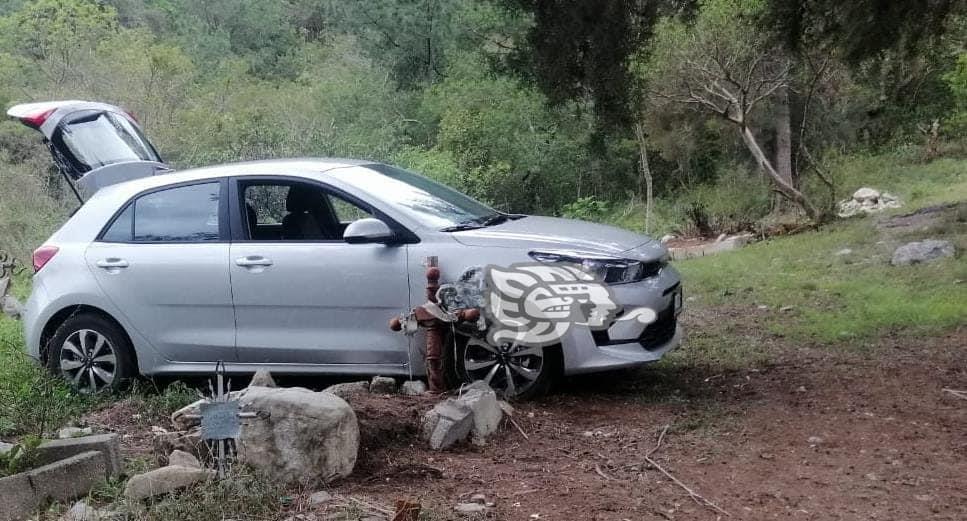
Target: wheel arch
(57, 319)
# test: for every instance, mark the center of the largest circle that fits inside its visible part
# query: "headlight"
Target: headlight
(613, 270)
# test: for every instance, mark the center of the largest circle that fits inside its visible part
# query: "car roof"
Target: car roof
(263, 167)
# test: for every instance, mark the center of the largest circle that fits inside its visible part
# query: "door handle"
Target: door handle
(252, 260)
(112, 262)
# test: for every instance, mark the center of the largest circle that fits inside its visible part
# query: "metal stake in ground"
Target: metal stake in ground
(221, 420)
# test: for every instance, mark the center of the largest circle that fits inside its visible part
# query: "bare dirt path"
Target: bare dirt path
(812, 435)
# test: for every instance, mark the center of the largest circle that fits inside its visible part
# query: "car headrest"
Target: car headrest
(301, 199)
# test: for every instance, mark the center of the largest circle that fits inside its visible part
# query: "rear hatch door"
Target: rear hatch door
(93, 144)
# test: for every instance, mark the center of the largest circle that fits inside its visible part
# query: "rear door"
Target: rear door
(163, 261)
(93, 144)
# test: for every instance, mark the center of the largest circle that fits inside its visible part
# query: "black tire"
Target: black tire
(114, 356)
(457, 373)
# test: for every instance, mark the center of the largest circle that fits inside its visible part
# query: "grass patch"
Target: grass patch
(837, 298)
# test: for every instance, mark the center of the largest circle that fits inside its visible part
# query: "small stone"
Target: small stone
(5, 447)
(470, 508)
(721, 237)
(413, 387)
(74, 432)
(801, 389)
(382, 385)
(786, 309)
(479, 498)
(81, 511)
(763, 306)
(180, 458)
(814, 440)
(318, 498)
(767, 456)
(866, 194)
(159, 482)
(923, 251)
(872, 477)
(923, 497)
(262, 378)
(844, 251)
(345, 390)
(446, 424)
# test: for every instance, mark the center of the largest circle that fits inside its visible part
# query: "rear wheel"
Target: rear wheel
(92, 354)
(514, 371)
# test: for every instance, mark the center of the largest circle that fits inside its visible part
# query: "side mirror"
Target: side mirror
(368, 230)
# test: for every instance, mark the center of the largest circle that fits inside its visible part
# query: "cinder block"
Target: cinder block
(108, 445)
(68, 478)
(17, 498)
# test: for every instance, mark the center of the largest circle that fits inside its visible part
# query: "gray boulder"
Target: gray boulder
(922, 251)
(382, 385)
(164, 480)
(74, 432)
(301, 435)
(81, 511)
(448, 423)
(487, 413)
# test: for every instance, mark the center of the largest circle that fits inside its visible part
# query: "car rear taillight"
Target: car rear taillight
(37, 119)
(43, 255)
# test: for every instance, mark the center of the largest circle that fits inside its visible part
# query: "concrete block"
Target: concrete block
(68, 478)
(17, 499)
(108, 445)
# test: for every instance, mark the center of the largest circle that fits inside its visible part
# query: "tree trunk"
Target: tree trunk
(645, 174)
(783, 141)
(784, 187)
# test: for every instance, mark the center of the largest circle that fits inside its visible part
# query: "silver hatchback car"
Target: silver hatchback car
(295, 266)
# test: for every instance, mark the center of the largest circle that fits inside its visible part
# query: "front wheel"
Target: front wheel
(92, 354)
(514, 371)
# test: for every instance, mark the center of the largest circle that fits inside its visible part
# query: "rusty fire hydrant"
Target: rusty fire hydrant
(433, 319)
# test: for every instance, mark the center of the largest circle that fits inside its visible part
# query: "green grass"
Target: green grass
(837, 298)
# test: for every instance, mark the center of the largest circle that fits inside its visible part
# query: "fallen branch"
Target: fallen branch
(597, 468)
(522, 433)
(959, 394)
(698, 498)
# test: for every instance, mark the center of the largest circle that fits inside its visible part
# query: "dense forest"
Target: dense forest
(721, 112)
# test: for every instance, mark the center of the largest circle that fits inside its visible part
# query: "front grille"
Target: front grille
(657, 334)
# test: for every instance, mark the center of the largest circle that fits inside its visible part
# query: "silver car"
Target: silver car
(295, 266)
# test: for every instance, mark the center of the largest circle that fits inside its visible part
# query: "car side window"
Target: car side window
(181, 214)
(293, 211)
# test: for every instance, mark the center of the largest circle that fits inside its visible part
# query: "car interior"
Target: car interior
(297, 212)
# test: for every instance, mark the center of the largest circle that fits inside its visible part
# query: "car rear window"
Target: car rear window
(181, 214)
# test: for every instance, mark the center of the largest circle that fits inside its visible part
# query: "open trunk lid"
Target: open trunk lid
(93, 144)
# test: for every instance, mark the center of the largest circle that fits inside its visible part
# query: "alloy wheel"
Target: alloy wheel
(510, 369)
(88, 361)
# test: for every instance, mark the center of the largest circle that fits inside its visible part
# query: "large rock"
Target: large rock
(866, 194)
(482, 400)
(180, 458)
(448, 423)
(923, 251)
(867, 200)
(108, 445)
(164, 480)
(301, 435)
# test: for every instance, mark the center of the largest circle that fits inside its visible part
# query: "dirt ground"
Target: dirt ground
(811, 435)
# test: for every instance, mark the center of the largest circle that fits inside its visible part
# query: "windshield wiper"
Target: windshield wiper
(493, 219)
(471, 224)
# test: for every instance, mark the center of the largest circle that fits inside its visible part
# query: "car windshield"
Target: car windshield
(102, 138)
(432, 204)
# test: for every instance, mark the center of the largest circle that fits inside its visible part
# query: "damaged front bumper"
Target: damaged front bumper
(586, 350)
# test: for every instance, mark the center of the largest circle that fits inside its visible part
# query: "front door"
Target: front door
(304, 296)
(163, 262)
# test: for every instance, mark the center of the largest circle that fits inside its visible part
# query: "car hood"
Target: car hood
(553, 233)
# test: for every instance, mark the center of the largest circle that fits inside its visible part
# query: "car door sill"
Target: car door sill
(197, 368)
